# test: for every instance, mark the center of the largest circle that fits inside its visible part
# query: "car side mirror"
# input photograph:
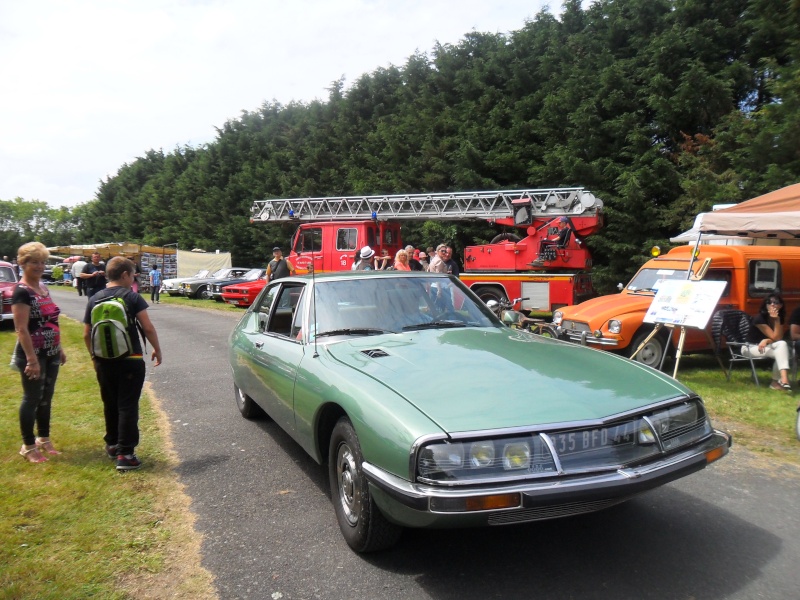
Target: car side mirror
(620, 287)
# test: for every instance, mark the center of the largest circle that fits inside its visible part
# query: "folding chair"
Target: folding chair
(731, 327)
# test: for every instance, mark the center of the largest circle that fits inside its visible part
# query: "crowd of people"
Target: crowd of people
(439, 260)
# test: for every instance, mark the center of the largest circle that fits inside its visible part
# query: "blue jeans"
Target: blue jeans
(37, 396)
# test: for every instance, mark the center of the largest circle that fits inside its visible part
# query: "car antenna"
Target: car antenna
(313, 299)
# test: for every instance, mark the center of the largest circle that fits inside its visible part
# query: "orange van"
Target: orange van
(616, 322)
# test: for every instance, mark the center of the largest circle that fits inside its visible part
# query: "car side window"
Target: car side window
(263, 309)
(283, 315)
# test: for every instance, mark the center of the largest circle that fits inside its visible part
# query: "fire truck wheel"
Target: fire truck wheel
(651, 354)
(490, 293)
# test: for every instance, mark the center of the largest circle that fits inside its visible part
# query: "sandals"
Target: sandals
(45, 445)
(32, 455)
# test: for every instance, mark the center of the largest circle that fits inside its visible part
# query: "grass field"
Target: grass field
(76, 528)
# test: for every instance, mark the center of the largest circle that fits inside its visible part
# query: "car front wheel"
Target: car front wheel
(363, 526)
(653, 350)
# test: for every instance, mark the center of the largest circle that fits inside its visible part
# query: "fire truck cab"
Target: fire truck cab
(334, 245)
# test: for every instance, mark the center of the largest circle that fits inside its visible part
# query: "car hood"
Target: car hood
(597, 311)
(250, 284)
(485, 378)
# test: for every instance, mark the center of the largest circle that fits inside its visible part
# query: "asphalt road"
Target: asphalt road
(263, 508)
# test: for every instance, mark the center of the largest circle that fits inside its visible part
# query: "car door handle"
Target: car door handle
(259, 345)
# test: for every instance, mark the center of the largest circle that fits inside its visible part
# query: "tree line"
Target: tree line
(661, 108)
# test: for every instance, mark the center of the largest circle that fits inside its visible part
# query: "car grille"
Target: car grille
(543, 513)
(575, 326)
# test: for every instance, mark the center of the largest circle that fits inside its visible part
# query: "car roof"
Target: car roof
(345, 275)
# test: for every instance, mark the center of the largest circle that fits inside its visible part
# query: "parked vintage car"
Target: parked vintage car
(243, 294)
(173, 286)
(251, 275)
(429, 412)
(8, 279)
(200, 287)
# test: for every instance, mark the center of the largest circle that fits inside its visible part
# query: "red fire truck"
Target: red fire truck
(546, 262)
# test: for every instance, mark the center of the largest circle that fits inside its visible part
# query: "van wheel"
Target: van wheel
(653, 351)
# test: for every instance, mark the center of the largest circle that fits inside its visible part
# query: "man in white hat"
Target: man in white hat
(365, 259)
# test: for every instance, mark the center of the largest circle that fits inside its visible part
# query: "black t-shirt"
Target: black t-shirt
(453, 267)
(794, 318)
(134, 304)
(755, 335)
(94, 284)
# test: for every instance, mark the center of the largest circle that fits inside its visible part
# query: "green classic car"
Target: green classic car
(429, 412)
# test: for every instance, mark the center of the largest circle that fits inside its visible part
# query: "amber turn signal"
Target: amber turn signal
(492, 502)
(715, 454)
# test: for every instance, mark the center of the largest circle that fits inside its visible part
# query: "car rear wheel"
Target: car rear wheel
(246, 405)
(653, 351)
(363, 526)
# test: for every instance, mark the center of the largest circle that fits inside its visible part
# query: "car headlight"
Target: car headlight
(558, 316)
(485, 459)
(679, 424)
(614, 326)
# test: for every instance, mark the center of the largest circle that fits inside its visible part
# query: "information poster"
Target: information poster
(167, 263)
(685, 303)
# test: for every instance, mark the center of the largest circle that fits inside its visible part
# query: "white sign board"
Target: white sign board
(685, 303)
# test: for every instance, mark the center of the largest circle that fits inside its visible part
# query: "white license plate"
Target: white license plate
(587, 440)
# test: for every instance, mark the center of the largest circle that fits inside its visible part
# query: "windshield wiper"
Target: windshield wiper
(353, 331)
(434, 325)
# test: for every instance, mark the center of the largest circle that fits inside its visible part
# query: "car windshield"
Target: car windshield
(202, 273)
(252, 274)
(367, 306)
(7, 274)
(649, 280)
(221, 273)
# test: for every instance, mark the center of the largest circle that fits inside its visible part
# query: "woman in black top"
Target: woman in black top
(766, 339)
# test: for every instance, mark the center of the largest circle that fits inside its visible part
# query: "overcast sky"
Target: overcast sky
(89, 85)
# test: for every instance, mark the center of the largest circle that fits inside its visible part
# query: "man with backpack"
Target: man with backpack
(112, 322)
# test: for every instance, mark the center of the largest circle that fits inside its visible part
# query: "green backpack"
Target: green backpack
(110, 321)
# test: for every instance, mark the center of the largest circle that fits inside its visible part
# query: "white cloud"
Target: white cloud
(91, 84)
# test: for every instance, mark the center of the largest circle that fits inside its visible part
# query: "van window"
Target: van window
(388, 237)
(765, 276)
(346, 239)
(720, 275)
(309, 240)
